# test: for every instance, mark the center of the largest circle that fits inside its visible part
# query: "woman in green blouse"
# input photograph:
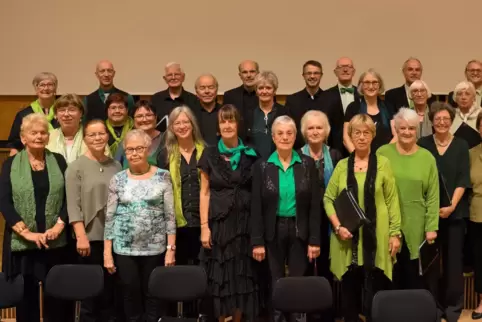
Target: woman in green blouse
(364, 259)
(416, 175)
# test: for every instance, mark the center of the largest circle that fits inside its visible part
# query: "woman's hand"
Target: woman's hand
(206, 236)
(313, 252)
(83, 246)
(445, 212)
(37, 238)
(259, 253)
(109, 263)
(393, 245)
(430, 236)
(170, 258)
(54, 232)
(344, 233)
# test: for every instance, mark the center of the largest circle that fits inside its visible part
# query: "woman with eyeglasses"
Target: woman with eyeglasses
(86, 182)
(420, 94)
(145, 118)
(140, 227)
(370, 87)
(118, 120)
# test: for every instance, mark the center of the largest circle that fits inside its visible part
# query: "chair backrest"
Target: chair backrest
(178, 283)
(74, 282)
(11, 291)
(404, 305)
(308, 294)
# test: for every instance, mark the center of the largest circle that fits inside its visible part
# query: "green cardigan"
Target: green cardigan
(388, 217)
(416, 176)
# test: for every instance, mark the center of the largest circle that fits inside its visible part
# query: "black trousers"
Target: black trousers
(286, 249)
(405, 271)
(101, 308)
(475, 232)
(134, 273)
(355, 286)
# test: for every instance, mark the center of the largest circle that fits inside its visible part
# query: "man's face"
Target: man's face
(412, 71)
(473, 73)
(247, 73)
(312, 75)
(105, 73)
(174, 76)
(344, 70)
(206, 89)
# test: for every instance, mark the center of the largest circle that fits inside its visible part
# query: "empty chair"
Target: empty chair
(404, 305)
(308, 294)
(178, 284)
(11, 291)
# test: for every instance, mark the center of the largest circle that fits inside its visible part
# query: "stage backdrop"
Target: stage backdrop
(140, 37)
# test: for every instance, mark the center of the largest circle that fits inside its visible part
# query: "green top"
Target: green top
(287, 193)
(417, 182)
(388, 217)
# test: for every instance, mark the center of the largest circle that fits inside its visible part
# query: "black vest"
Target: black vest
(95, 108)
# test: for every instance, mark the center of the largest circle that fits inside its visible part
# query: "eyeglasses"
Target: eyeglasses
(67, 110)
(180, 123)
(359, 134)
(138, 150)
(46, 85)
(419, 92)
(373, 83)
(442, 119)
(93, 135)
(117, 108)
(312, 73)
(142, 116)
(174, 75)
(344, 67)
(474, 71)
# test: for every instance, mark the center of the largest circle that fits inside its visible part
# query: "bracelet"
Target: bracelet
(337, 229)
(204, 223)
(60, 221)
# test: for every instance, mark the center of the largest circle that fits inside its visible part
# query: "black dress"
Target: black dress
(229, 264)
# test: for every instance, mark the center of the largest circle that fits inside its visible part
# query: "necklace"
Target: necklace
(440, 144)
(141, 173)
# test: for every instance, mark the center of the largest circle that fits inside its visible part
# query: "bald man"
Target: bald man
(207, 92)
(95, 102)
(244, 96)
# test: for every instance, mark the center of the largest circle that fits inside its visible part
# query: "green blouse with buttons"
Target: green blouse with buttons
(287, 194)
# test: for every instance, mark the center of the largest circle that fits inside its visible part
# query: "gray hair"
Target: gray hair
(419, 84)
(464, 86)
(137, 133)
(405, 63)
(173, 64)
(44, 76)
(283, 119)
(406, 114)
(374, 73)
(196, 84)
(312, 114)
(34, 119)
(266, 77)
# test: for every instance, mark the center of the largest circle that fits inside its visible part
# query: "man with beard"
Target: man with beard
(473, 73)
(244, 97)
(398, 97)
(95, 102)
(309, 98)
(207, 113)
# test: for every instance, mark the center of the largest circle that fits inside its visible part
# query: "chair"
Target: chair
(178, 284)
(308, 294)
(404, 305)
(11, 291)
(74, 283)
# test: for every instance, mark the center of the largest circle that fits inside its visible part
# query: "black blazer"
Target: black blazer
(248, 119)
(397, 98)
(234, 96)
(265, 197)
(335, 114)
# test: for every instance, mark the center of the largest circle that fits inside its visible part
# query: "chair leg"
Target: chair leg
(77, 311)
(180, 310)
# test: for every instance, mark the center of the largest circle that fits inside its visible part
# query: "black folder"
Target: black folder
(445, 199)
(349, 212)
(466, 132)
(428, 256)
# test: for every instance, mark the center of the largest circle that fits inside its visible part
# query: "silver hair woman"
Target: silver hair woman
(420, 95)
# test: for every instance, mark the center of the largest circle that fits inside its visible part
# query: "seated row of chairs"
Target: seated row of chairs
(309, 295)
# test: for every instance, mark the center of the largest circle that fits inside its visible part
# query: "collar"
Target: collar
(245, 91)
(317, 94)
(274, 159)
(182, 97)
(217, 106)
(407, 88)
(342, 86)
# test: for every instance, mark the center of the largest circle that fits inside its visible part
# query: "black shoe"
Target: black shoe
(476, 315)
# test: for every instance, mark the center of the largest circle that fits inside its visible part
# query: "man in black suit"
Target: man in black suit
(244, 96)
(309, 98)
(473, 74)
(207, 111)
(398, 97)
(175, 95)
(337, 98)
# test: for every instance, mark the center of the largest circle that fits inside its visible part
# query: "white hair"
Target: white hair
(314, 114)
(464, 86)
(137, 133)
(406, 114)
(419, 84)
(283, 119)
(173, 64)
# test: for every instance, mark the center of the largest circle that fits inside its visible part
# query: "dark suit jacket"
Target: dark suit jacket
(397, 98)
(265, 198)
(234, 96)
(335, 113)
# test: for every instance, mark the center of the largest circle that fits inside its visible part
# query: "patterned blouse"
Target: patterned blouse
(139, 214)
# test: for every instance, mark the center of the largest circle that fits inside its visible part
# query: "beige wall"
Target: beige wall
(69, 37)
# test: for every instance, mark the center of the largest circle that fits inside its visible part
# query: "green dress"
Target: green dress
(416, 176)
(388, 217)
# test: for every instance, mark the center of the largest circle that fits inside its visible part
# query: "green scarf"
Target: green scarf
(235, 152)
(128, 125)
(175, 170)
(23, 197)
(38, 109)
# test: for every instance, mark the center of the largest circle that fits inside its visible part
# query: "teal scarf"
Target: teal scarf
(235, 153)
(328, 162)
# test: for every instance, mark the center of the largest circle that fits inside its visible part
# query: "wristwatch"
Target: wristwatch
(171, 247)
(337, 229)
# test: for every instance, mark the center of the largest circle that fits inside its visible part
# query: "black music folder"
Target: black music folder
(467, 133)
(428, 256)
(445, 199)
(349, 212)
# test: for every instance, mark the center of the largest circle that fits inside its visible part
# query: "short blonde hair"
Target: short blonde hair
(315, 114)
(137, 133)
(464, 86)
(34, 119)
(266, 77)
(361, 120)
(283, 119)
(374, 73)
(419, 84)
(69, 100)
(43, 76)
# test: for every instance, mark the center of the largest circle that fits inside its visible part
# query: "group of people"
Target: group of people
(246, 189)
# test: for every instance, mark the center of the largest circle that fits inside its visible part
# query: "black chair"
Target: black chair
(11, 291)
(404, 305)
(308, 294)
(74, 283)
(178, 284)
